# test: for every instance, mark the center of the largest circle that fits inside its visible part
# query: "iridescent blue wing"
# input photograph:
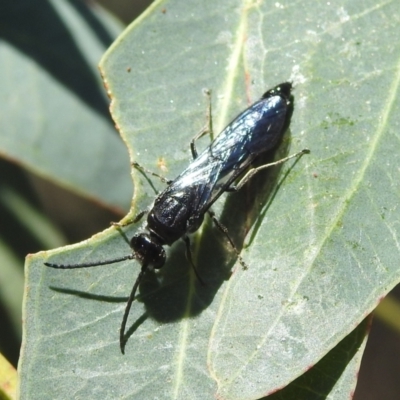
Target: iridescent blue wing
(256, 130)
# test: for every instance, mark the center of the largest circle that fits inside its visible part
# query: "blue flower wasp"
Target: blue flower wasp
(179, 210)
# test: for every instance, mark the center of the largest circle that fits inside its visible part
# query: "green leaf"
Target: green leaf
(55, 119)
(333, 374)
(320, 235)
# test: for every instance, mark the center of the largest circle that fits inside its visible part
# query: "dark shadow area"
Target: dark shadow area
(166, 293)
(318, 381)
(127, 10)
(379, 373)
(132, 329)
(251, 203)
(89, 296)
(9, 340)
(14, 232)
(36, 29)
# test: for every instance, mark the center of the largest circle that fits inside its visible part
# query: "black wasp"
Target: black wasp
(179, 210)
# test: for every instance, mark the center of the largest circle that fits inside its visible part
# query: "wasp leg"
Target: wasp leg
(207, 129)
(225, 231)
(147, 171)
(251, 172)
(189, 257)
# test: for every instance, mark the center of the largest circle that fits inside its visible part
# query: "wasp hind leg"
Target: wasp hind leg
(225, 232)
(251, 172)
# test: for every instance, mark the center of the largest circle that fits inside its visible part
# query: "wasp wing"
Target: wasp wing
(181, 207)
(256, 130)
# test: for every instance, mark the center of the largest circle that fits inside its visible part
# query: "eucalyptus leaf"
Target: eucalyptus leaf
(320, 235)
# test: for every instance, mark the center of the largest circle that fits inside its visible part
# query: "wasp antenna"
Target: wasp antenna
(122, 340)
